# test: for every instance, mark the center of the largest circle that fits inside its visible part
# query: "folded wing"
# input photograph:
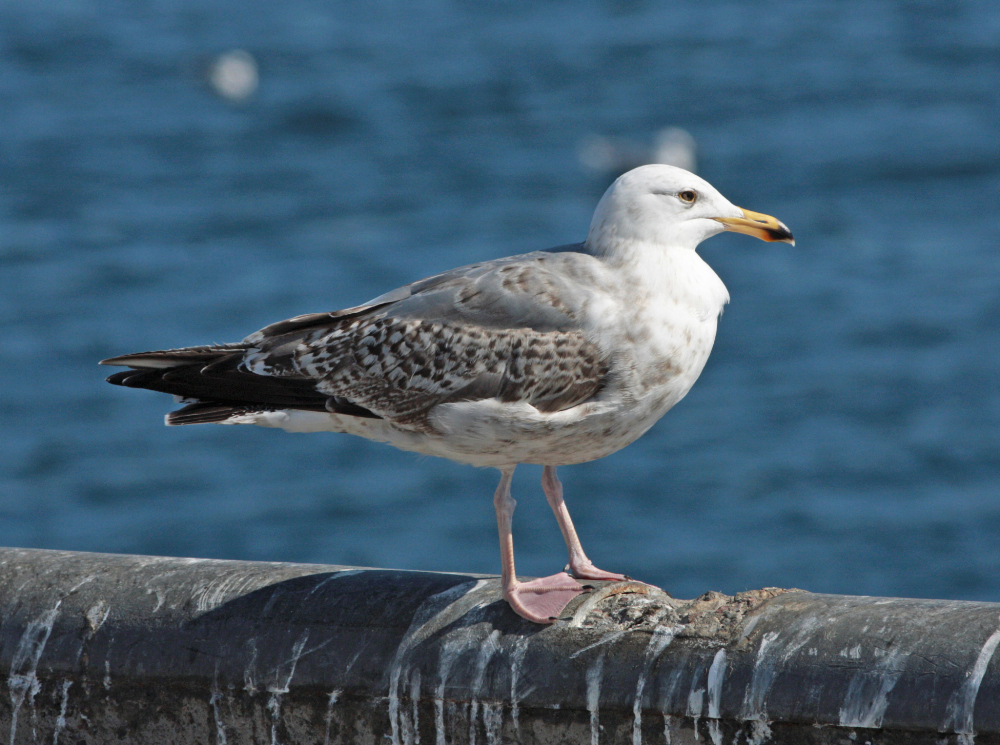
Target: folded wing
(507, 329)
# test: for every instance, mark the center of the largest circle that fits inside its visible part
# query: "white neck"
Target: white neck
(680, 276)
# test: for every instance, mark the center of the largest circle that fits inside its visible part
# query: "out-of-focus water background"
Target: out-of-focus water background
(844, 437)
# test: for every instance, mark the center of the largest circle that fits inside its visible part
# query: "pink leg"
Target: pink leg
(540, 600)
(579, 564)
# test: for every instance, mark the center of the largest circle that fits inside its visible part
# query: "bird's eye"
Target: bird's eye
(687, 196)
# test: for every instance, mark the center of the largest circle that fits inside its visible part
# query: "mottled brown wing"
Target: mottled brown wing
(506, 330)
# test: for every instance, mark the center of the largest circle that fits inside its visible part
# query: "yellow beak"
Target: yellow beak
(760, 226)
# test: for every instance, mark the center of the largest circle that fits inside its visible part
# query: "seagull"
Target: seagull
(553, 357)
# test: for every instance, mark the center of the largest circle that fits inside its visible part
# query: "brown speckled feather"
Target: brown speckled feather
(442, 341)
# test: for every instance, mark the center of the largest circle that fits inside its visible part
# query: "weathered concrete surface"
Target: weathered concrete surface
(128, 649)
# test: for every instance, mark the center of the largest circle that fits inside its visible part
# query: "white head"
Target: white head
(670, 207)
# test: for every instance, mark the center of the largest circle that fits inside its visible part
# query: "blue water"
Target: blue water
(844, 437)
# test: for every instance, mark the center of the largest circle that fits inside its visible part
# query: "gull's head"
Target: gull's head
(671, 207)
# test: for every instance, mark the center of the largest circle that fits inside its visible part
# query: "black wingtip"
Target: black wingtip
(119, 378)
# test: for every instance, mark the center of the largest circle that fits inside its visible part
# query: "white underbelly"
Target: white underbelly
(492, 433)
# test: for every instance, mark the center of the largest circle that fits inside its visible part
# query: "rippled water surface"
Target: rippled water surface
(844, 437)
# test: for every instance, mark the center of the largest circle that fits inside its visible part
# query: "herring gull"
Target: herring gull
(552, 357)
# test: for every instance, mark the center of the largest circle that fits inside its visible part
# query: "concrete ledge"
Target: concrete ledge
(129, 649)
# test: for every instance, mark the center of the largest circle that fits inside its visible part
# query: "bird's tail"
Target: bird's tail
(213, 383)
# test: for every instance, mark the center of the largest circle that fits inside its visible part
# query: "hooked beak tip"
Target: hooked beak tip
(759, 225)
